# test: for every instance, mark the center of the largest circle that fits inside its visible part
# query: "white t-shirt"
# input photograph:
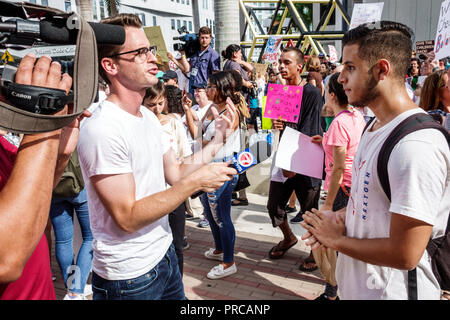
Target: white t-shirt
(177, 139)
(419, 175)
(113, 141)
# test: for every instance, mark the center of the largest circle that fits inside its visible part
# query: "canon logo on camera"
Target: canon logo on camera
(21, 95)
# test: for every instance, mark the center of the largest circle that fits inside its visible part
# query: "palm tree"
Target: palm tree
(226, 28)
(112, 6)
(85, 9)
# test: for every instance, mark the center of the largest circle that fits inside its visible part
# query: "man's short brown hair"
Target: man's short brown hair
(125, 20)
(204, 30)
(298, 52)
(383, 40)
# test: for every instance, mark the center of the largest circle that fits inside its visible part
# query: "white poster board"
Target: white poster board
(272, 48)
(297, 153)
(333, 53)
(366, 12)
(442, 42)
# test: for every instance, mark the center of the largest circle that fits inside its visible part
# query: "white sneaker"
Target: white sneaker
(219, 272)
(213, 256)
(75, 297)
(87, 289)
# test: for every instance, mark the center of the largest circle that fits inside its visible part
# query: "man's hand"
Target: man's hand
(212, 176)
(278, 124)
(326, 227)
(288, 174)
(317, 139)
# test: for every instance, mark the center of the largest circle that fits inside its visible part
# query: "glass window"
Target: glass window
(142, 17)
(172, 22)
(187, 2)
(44, 3)
(94, 10)
(190, 25)
(178, 24)
(32, 1)
(154, 20)
(67, 6)
(185, 23)
(102, 9)
(178, 1)
(182, 1)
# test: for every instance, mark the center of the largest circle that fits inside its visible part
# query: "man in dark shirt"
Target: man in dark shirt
(306, 188)
(202, 64)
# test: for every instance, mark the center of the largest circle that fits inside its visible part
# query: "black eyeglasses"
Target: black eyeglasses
(141, 54)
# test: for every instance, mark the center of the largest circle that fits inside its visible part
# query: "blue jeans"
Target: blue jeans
(163, 282)
(217, 209)
(61, 214)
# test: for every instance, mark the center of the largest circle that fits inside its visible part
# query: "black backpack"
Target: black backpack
(438, 248)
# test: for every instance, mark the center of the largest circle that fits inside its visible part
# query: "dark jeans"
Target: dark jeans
(177, 221)
(163, 282)
(279, 194)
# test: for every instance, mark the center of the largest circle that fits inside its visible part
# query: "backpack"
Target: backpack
(439, 248)
(71, 182)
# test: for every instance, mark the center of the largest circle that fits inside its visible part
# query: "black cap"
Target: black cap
(170, 74)
(201, 85)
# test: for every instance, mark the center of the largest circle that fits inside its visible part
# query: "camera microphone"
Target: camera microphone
(56, 31)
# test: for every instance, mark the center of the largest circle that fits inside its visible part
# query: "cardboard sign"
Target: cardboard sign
(442, 42)
(297, 153)
(260, 68)
(424, 46)
(366, 12)
(271, 51)
(155, 37)
(283, 102)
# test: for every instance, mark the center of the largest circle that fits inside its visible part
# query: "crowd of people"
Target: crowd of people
(152, 154)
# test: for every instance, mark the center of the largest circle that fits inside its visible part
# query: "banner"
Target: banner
(283, 102)
(271, 51)
(366, 12)
(442, 45)
(266, 123)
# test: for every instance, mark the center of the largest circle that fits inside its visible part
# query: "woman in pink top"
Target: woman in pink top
(340, 143)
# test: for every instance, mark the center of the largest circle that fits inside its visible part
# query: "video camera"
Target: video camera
(191, 43)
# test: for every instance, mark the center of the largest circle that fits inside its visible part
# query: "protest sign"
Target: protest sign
(272, 47)
(266, 123)
(283, 102)
(442, 45)
(260, 68)
(366, 12)
(297, 153)
(333, 53)
(424, 46)
(155, 37)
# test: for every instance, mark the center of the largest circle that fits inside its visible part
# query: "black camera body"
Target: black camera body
(190, 45)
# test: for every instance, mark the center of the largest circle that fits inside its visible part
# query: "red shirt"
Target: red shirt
(35, 283)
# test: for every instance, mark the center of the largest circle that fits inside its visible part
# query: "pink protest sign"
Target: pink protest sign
(283, 102)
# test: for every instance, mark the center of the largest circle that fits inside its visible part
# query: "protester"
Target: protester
(126, 165)
(340, 143)
(170, 78)
(156, 97)
(28, 174)
(203, 63)
(67, 202)
(217, 204)
(380, 240)
(314, 77)
(306, 188)
(435, 96)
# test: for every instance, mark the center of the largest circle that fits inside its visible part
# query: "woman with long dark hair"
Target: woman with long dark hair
(217, 204)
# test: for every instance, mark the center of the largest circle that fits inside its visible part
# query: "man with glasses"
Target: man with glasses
(202, 64)
(126, 167)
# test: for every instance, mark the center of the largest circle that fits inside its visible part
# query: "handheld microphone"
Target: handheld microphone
(257, 153)
(57, 31)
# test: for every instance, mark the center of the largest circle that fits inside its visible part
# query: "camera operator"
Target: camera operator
(202, 64)
(27, 177)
